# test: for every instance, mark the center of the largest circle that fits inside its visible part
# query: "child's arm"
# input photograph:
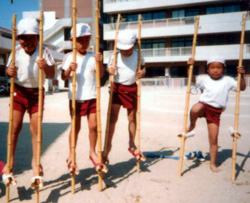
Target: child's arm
(141, 73)
(66, 73)
(241, 70)
(49, 70)
(11, 71)
(191, 61)
(98, 58)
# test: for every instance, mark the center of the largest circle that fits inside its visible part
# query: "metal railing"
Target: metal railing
(158, 52)
(166, 22)
(177, 51)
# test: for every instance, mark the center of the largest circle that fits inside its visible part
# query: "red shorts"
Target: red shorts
(125, 95)
(84, 108)
(26, 99)
(212, 114)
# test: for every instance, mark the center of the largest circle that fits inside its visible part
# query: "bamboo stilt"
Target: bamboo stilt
(12, 83)
(190, 73)
(73, 120)
(40, 111)
(111, 80)
(237, 107)
(98, 93)
(138, 112)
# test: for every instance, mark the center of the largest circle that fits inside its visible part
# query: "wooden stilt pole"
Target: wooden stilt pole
(138, 112)
(237, 107)
(190, 73)
(98, 93)
(73, 120)
(12, 83)
(111, 80)
(40, 111)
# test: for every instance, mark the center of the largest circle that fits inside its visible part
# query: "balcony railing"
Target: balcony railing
(230, 52)
(151, 23)
(158, 52)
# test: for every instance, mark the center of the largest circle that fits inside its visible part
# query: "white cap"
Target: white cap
(82, 29)
(126, 40)
(216, 59)
(28, 26)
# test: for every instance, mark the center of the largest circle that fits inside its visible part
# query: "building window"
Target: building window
(67, 33)
(153, 43)
(145, 16)
(182, 42)
(181, 71)
(192, 12)
(155, 72)
(222, 9)
(178, 14)
(231, 71)
(232, 8)
(185, 13)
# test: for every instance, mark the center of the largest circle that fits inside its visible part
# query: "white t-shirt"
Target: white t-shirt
(126, 68)
(215, 91)
(27, 68)
(85, 76)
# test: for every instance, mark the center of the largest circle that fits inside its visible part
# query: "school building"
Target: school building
(167, 31)
(168, 28)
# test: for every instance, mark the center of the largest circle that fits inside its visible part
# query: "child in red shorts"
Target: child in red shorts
(26, 82)
(125, 87)
(85, 87)
(213, 100)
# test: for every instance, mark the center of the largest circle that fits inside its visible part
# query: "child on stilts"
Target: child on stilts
(27, 82)
(85, 87)
(213, 100)
(125, 87)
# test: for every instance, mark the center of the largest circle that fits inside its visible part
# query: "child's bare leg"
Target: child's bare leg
(196, 111)
(213, 131)
(92, 123)
(34, 130)
(17, 127)
(78, 128)
(113, 119)
(132, 127)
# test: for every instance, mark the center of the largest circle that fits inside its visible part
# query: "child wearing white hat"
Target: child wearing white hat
(213, 100)
(85, 68)
(125, 87)
(26, 82)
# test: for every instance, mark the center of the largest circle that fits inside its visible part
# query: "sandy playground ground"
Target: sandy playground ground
(162, 116)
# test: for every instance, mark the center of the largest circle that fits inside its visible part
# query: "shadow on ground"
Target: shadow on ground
(87, 178)
(51, 131)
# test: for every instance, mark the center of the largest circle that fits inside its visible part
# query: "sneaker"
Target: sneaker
(200, 157)
(190, 155)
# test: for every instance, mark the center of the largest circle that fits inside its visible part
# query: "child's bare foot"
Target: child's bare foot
(214, 168)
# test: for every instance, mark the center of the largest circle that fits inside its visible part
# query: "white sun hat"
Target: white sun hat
(126, 40)
(28, 26)
(219, 59)
(82, 29)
